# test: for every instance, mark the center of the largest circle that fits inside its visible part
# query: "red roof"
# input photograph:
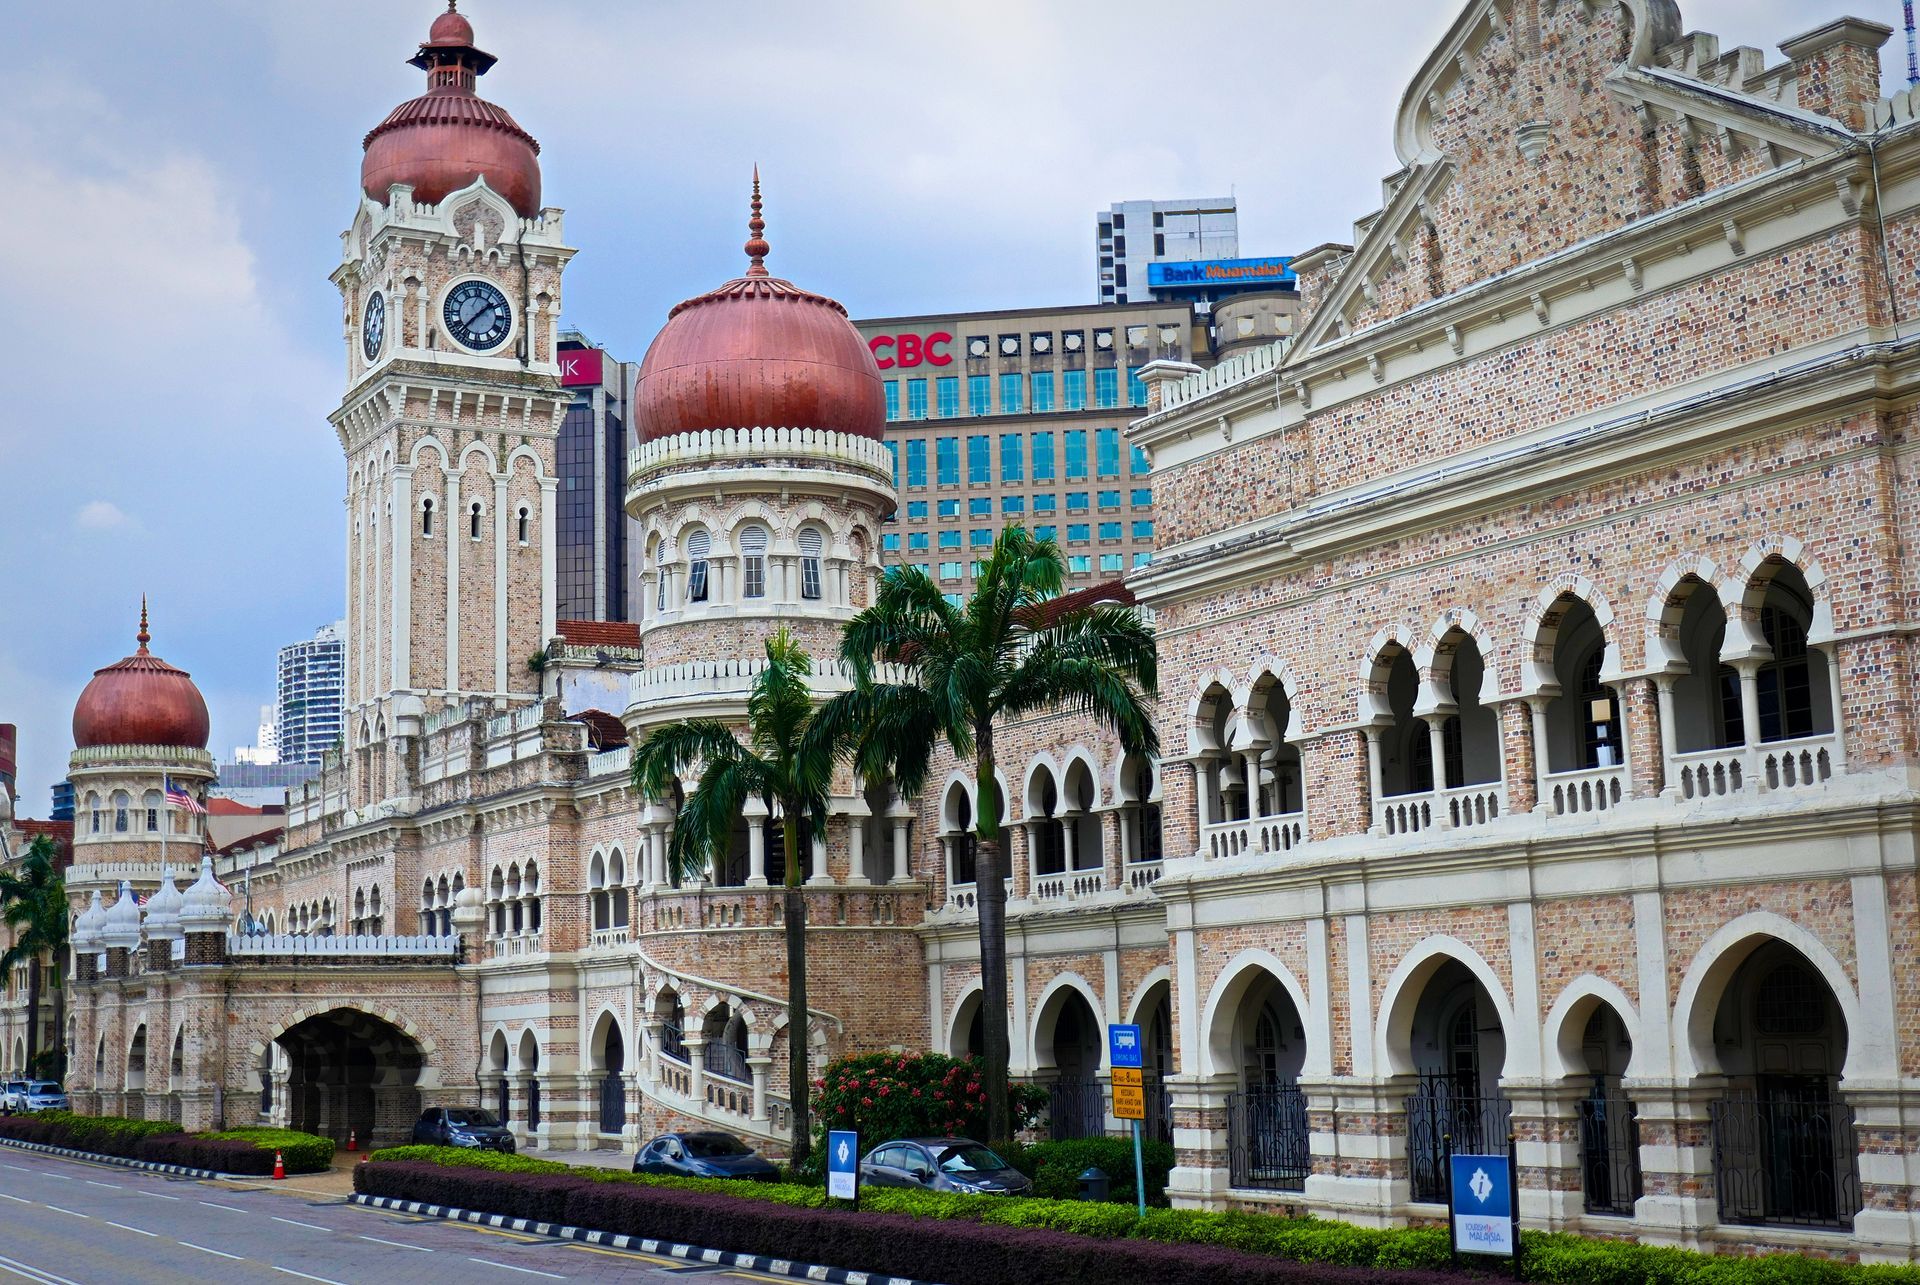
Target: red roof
(605, 731)
(253, 841)
(61, 832)
(220, 807)
(600, 633)
(1113, 591)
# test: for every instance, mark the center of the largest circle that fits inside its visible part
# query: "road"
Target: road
(68, 1222)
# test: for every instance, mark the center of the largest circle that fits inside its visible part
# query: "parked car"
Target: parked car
(43, 1095)
(943, 1164)
(704, 1155)
(462, 1127)
(13, 1095)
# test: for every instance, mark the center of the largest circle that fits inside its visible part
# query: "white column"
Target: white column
(1068, 824)
(451, 532)
(1372, 735)
(901, 869)
(549, 567)
(1749, 700)
(756, 847)
(1832, 652)
(857, 850)
(1663, 694)
(1202, 793)
(817, 872)
(500, 532)
(1542, 764)
(376, 532)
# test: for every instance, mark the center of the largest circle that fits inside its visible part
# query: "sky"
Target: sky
(181, 171)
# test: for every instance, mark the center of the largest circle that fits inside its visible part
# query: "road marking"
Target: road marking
(418, 1249)
(203, 1249)
(91, 1183)
(490, 1231)
(229, 1208)
(19, 1200)
(525, 1271)
(19, 1168)
(124, 1227)
(76, 1213)
(155, 1194)
(34, 1273)
(295, 1222)
(303, 1276)
(619, 1253)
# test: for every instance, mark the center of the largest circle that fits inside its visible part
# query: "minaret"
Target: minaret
(450, 286)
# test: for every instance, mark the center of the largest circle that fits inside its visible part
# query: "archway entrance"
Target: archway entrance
(968, 1037)
(1259, 1037)
(1155, 1020)
(1458, 1049)
(1784, 1148)
(1067, 1058)
(1609, 1131)
(530, 1071)
(609, 1062)
(136, 1103)
(352, 1072)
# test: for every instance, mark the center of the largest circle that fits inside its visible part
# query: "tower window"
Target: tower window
(426, 516)
(660, 572)
(523, 524)
(473, 520)
(811, 545)
(753, 562)
(699, 544)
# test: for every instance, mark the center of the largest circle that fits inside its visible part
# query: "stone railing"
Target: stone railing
(1236, 369)
(759, 448)
(1593, 789)
(518, 720)
(1798, 764)
(1457, 808)
(142, 753)
(675, 1073)
(1806, 762)
(516, 945)
(1403, 813)
(963, 896)
(606, 938)
(1068, 885)
(440, 719)
(353, 946)
(1142, 875)
(137, 872)
(618, 761)
(1262, 835)
(1471, 805)
(712, 677)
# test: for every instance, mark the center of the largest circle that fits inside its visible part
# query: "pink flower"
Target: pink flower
(866, 1102)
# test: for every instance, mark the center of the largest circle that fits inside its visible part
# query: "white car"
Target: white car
(13, 1095)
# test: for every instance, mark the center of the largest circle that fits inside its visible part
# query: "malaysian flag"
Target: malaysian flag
(179, 798)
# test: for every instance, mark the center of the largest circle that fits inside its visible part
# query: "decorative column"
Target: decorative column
(696, 1046)
(1680, 1195)
(1374, 789)
(902, 867)
(1437, 747)
(1643, 736)
(759, 1068)
(121, 935)
(1749, 671)
(817, 864)
(755, 814)
(206, 915)
(857, 814)
(1663, 696)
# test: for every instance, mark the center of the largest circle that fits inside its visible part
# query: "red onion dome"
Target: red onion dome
(759, 352)
(142, 700)
(450, 136)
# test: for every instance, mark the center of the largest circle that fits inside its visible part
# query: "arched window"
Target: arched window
(523, 524)
(699, 544)
(753, 562)
(597, 891)
(660, 554)
(152, 805)
(120, 802)
(812, 544)
(473, 521)
(93, 806)
(1785, 682)
(617, 877)
(426, 516)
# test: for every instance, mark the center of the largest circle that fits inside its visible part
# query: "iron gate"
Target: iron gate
(1793, 1162)
(1609, 1154)
(1441, 1121)
(1267, 1143)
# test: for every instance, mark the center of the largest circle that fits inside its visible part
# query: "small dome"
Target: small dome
(88, 925)
(449, 136)
(759, 352)
(163, 908)
(141, 700)
(207, 906)
(122, 928)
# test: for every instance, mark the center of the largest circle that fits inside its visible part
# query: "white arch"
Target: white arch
(1704, 986)
(425, 444)
(1144, 989)
(1079, 753)
(1029, 805)
(1064, 982)
(1541, 638)
(1222, 678)
(971, 993)
(1393, 1029)
(485, 452)
(1565, 1027)
(1665, 607)
(1229, 988)
(1745, 585)
(526, 453)
(1370, 695)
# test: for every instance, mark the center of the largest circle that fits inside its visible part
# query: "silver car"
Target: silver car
(958, 1165)
(44, 1095)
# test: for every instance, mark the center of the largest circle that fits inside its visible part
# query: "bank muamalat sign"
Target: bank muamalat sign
(907, 351)
(579, 366)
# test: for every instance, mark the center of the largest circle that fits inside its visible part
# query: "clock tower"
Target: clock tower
(450, 289)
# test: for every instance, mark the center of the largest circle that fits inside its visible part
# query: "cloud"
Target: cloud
(102, 515)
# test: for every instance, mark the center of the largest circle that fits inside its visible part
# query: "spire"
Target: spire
(757, 247)
(143, 637)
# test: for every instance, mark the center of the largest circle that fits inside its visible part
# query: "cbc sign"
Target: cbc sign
(907, 351)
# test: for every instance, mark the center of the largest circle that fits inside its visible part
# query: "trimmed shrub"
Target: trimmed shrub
(248, 1151)
(885, 1096)
(302, 1152)
(1055, 1167)
(101, 1134)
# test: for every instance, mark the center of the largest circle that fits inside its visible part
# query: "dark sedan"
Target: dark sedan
(462, 1127)
(703, 1155)
(943, 1164)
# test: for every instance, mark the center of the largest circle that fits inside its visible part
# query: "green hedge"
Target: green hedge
(235, 1151)
(1551, 1258)
(1055, 1167)
(301, 1152)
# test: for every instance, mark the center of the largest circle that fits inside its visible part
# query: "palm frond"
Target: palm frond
(670, 752)
(703, 831)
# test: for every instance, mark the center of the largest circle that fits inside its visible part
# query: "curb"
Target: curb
(150, 1166)
(691, 1253)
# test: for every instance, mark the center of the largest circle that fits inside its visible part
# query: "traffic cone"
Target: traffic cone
(279, 1167)
(352, 1140)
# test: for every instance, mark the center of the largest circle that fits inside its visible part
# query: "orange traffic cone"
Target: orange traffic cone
(279, 1166)
(352, 1140)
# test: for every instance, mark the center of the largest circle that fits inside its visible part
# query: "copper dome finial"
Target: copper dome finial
(143, 637)
(757, 247)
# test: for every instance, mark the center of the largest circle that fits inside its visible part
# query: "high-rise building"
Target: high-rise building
(266, 741)
(62, 801)
(313, 688)
(9, 735)
(590, 536)
(1019, 416)
(1130, 236)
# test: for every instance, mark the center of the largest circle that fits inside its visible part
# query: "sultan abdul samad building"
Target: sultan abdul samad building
(1538, 701)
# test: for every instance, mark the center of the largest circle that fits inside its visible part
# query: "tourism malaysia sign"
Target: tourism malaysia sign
(1482, 1205)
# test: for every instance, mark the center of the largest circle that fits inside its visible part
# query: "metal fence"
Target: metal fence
(506, 1102)
(1609, 1154)
(613, 1103)
(672, 1043)
(533, 1104)
(727, 1062)
(1267, 1143)
(1442, 1121)
(1793, 1163)
(1159, 1122)
(1076, 1109)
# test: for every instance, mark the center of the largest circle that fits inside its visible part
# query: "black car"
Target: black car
(703, 1155)
(943, 1164)
(462, 1127)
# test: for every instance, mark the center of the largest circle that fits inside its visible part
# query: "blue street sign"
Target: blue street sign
(1482, 1205)
(843, 1165)
(1123, 1046)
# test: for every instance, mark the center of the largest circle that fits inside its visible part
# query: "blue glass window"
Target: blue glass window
(917, 463)
(1042, 390)
(947, 453)
(1043, 457)
(1010, 461)
(1077, 501)
(1078, 532)
(916, 399)
(1044, 503)
(919, 541)
(1012, 504)
(1080, 564)
(1076, 454)
(979, 458)
(893, 399)
(1142, 495)
(946, 391)
(1111, 562)
(1109, 530)
(917, 509)
(980, 506)
(980, 394)
(890, 542)
(1137, 462)
(949, 509)
(1136, 391)
(1143, 530)
(949, 539)
(954, 599)
(1143, 557)
(980, 537)
(1109, 499)
(1012, 400)
(1107, 451)
(893, 449)
(952, 570)
(1106, 388)
(1045, 532)
(1075, 389)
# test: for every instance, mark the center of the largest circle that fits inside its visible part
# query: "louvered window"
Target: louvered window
(811, 545)
(660, 575)
(753, 562)
(698, 546)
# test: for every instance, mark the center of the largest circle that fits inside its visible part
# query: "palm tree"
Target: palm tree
(1017, 647)
(787, 763)
(33, 903)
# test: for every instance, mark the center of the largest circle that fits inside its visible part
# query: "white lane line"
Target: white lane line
(295, 1222)
(155, 1194)
(76, 1213)
(91, 1183)
(525, 1271)
(18, 1200)
(203, 1249)
(229, 1208)
(33, 1273)
(419, 1249)
(303, 1276)
(19, 1168)
(124, 1227)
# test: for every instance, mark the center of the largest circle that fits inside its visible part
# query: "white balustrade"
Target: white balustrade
(604, 938)
(1594, 789)
(1798, 764)
(612, 762)
(1051, 887)
(1470, 805)
(354, 946)
(1803, 763)
(1705, 774)
(1260, 835)
(1142, 875)
(962, 897)
(1403, 813)
(1460, 807)
(1250, 364)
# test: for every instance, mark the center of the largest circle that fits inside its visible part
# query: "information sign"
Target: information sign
(843, 1165)
(1482, 1205)
(1123, 1046)
(1129, 1094)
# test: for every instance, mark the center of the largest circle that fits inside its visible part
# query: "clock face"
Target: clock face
(373, 326)
(477, 315)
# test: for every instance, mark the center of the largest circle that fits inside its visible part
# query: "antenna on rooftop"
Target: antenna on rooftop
(1913, 54)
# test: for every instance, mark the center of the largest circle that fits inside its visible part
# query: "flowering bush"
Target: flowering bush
(883, 1096)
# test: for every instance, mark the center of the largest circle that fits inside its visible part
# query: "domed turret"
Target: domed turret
(122, 928)
(141, 700)
(87, 927)
(163, 909)
(449, 136)
(207, 906)
(759, 352)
